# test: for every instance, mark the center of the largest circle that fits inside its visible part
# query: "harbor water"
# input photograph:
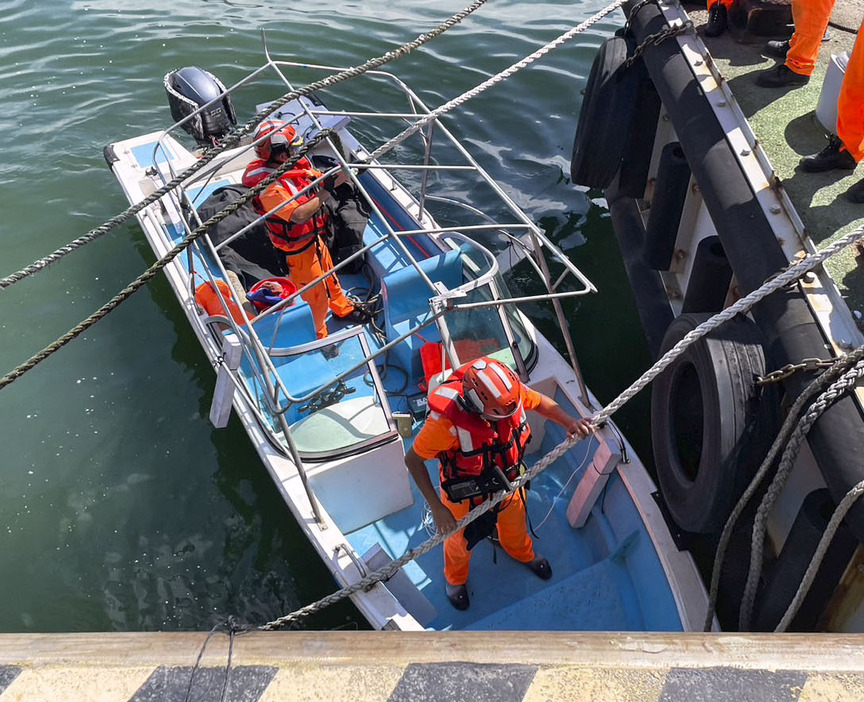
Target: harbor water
(121, 508)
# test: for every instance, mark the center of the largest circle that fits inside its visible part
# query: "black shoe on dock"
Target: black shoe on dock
(717, 20)
(776, 49)
(855, 194)
(833, 157)
(781, 77)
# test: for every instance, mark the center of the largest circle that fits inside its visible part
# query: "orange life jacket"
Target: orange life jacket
(470, 470)
(205, 295)
(287, 236)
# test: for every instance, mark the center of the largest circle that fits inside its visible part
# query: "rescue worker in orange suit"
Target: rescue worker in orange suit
(846, 149)
(297, 227)
(718, 17)
(801, 51)
(477, 428)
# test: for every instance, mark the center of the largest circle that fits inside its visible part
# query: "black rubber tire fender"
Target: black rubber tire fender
(711, 424)
(605, 118)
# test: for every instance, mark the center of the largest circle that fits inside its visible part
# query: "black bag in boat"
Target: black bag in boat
(349, 213)
(481, 528)
(252, 255)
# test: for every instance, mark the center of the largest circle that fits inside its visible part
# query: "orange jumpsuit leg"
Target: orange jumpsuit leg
(305, 267)
(850, 104)
(456, 553)
(728, 3)
(512, 533)
(811, 20)
(513, 530)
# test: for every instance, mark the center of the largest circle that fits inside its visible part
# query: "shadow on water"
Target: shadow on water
(605, 326)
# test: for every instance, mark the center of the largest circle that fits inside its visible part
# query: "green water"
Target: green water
(120, 507)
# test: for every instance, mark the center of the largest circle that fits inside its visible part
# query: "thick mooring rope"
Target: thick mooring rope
(827, 377)
(139, 282)
(233, 139)
(834, 393)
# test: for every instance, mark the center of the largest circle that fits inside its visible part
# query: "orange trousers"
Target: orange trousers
(850, 104)
(728, 3)
(811, 20)
(305, 267)
(512, 533)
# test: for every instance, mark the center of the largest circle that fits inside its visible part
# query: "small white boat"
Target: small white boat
(331, 418)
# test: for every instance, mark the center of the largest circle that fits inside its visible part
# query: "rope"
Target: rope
(494, 80)
(369, 580)
(833, 524)
(790, 453)
(139, 282)
(822, 381)
(235, 136)
(791, 274)
(233, 139)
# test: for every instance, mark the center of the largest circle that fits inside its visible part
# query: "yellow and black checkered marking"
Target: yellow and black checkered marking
(397, 667)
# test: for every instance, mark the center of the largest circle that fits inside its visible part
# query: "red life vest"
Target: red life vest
(469, 470)
(287, 236)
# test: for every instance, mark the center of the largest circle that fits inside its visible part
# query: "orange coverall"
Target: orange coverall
(435, 438)
(850, 104)
(309, 264)
(811, 20)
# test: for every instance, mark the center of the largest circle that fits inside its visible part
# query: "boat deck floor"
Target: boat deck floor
(784, 121)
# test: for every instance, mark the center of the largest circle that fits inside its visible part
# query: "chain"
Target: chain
(655, 40)
(810, 365)
(635, 11)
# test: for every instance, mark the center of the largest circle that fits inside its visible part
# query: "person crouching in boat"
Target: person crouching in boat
(477, 428)
(297, 227)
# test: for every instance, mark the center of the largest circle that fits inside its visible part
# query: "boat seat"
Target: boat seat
(303, 373)
(406, 305)
(295, 328)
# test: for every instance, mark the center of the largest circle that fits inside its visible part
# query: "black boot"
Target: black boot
(776, 49)
(832, 157)
(855, 194)
(458, 596)
(717, 20)
(540, 567)
(781, 77)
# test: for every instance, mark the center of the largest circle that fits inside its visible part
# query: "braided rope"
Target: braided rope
(235, 136)
(790, 453)
(383, 573)
(232, 140)
(126, 292)
(789, 275)
(821, 382)
(833, 524)
(494, 80)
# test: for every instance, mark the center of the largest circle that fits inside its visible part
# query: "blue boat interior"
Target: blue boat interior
(606, 576)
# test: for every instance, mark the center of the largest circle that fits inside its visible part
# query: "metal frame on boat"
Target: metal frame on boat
(353, 498)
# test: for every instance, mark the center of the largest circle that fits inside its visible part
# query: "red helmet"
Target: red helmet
(280, 136)
(491, 388)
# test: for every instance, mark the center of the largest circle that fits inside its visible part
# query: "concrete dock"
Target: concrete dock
(399, 666)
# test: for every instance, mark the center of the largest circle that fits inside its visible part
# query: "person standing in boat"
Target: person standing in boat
(298, 226)
(478, 431)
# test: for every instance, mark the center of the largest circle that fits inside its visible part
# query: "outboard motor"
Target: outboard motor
(189, 89)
